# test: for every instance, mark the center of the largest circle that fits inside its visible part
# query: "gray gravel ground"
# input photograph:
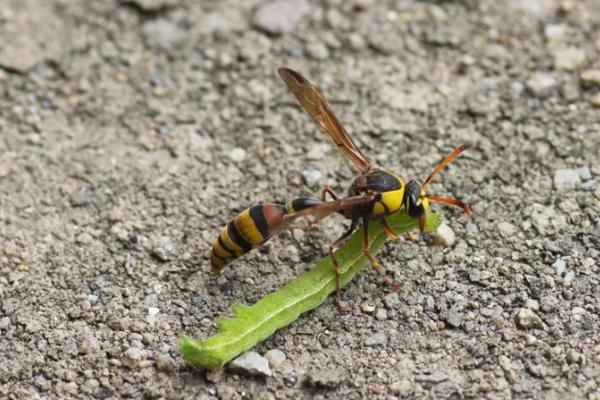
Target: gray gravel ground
(131, 131)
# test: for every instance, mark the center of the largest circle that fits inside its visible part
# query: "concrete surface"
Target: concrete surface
(131, 131)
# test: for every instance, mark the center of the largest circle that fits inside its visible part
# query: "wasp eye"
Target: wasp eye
(413, 202)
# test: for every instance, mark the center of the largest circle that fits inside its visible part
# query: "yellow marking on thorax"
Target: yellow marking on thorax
(378, 208)
(247, 228)
(393, 199)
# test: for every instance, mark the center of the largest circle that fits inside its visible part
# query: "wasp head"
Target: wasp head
(415, 201)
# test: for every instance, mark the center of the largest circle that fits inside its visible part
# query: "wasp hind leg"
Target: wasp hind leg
(374, 263)
(332, 247)
(327, 190)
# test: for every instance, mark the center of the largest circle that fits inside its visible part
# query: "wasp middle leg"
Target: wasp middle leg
(332, 247)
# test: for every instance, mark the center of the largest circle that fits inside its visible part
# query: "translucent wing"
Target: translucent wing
(315, 104)
(322, 210)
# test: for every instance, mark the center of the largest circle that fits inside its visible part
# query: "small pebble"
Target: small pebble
(530, 340)
(120, 232)
(334, 18)
(574, 357)
(164, 248)
(251, 363)
(429, 304)
(298, 234)
(152, 313)
(378, 339)
(326, 378)
(92, 298)
(401, 388)
(532, 304)
(5, 323)
(356, 41)
(318, 151)
(88, 345)
(317, 50)
(591, 77)
(584, 173)
(237, 154)
(91, 386)
(215, 376)
(391, 300)
(367, 307)
(549, 303)
(198, 301)
(132, 357)
(565, 179)
(280, 16)
(165, 362)
(527, 319)
(577, 310)
(312, 177)
(568, 58)
(148, 339)
(455, 318)
(292, 253)
(569, 276)
(555, 33)
(157, 287)
(84, 238)
(541, 84)
(433, 377)
(275, 357)
(507, 229)
(444, 236)
(381, 314)
(543, 218)
(70, 387)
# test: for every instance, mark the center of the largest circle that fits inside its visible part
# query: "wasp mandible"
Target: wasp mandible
(372, 196)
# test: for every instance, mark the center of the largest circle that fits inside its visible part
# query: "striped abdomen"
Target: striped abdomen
(251, 228)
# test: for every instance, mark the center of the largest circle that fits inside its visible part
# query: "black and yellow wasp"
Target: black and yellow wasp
(372, 196)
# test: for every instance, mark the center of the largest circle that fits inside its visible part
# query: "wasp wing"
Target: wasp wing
(320, 211)
(316, 106)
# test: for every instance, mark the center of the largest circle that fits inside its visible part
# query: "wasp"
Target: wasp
(372, 196)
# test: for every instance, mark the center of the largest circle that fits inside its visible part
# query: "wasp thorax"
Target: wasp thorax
(413, 199)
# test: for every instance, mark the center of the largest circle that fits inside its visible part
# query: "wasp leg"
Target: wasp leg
(374, 263)
(422, 224)
(332, 247)
(328, 190)
(388, 230)
(412, 237)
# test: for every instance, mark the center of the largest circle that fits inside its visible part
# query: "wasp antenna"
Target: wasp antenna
(452, 202)
(445, 162)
